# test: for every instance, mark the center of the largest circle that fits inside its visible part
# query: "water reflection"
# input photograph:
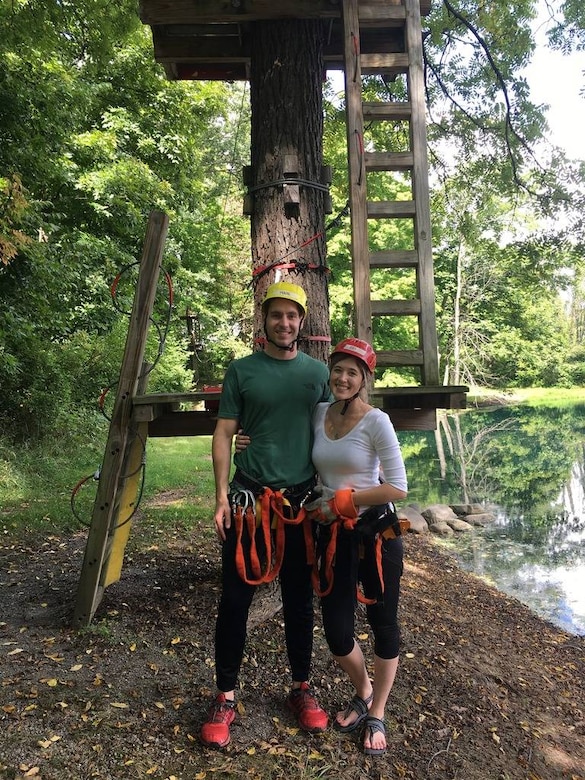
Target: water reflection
(528, 466)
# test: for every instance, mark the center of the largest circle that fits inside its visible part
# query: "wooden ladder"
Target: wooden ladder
(364, 161)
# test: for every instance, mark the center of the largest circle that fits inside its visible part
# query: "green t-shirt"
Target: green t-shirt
(274, 402)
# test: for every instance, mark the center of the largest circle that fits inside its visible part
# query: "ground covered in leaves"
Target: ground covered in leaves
(485, 690)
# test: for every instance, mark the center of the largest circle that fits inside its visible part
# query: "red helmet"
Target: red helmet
(357, 348)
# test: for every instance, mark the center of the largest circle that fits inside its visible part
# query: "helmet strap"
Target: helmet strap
(347, 402)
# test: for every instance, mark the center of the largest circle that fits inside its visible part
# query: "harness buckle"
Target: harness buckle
(243, 499)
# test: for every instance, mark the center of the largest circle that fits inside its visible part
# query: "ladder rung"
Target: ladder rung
(394, 258)
(386, 112)
(388, 161)
(384, 64)
(396, 308)
(399, 357)
(375, 12)
(390, 209)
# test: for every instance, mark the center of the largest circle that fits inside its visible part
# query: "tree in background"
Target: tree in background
(93, 138)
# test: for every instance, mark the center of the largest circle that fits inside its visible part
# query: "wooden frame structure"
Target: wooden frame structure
(208, 39)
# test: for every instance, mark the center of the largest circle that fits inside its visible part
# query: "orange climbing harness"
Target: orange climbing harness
(372, 527)
(259, 556)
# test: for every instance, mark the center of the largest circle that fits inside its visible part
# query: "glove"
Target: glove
(316, 496)
(329, 507)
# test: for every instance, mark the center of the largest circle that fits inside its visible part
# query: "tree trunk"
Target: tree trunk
(457, 316)
(287, 221)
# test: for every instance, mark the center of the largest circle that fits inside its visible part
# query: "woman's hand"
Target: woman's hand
(242, 440)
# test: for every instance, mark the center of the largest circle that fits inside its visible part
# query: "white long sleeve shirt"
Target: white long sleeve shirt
(354, 460)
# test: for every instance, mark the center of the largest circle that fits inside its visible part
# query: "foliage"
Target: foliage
(479, 104)
(93, 137)
(13, 207)
(569, 30)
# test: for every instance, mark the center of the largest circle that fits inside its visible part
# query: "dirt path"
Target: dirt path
(485, 690)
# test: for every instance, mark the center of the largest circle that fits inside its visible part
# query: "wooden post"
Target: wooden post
(360, 251)
(420, 183)
(104, 518)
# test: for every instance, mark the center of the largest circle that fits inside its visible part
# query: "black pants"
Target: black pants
(235, 601)
(338, 608)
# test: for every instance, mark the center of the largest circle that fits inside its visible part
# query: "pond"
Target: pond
(527, 466)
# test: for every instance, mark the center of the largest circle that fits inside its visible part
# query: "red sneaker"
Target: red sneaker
(304, 705)
(215, 732)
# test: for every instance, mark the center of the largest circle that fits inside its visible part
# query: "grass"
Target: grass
(36, 485)
(528, 396)
(550, 396)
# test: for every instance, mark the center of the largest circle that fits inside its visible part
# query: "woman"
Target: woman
(354, 442)
(358, 458)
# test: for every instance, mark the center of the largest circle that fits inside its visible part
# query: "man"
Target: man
(271, 395)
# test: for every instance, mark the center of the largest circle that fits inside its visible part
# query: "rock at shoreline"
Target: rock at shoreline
(418, 525)
(444, 520)
(467, 509)
(480, 519)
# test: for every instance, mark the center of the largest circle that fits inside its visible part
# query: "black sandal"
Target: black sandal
(373, 725)
(360, 707)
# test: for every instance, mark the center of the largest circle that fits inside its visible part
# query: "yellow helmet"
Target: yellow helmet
(289, 291)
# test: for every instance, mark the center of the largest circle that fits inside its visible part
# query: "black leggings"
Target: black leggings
(235, 601)
(338, 608)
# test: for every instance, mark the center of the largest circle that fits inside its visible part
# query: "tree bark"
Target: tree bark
(286, 76)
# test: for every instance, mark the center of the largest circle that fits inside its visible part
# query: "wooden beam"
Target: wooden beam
(128, 499)
(394, 258)
(103, 517)
(390, 209)
(195, 423)
(389, 161)
(203, 71)
(214, 11)
(439, 397)
(385, 112)
(420, 193)
(389, 64)
(413, 419)
(380, 12)
(190, 43)
(396, 308)
(399, 357)
(357, 173)
(204, 50)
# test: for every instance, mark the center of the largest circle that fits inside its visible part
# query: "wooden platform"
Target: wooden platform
(195, 414)
(210, 39)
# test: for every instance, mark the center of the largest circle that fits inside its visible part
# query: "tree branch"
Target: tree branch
(509, 129)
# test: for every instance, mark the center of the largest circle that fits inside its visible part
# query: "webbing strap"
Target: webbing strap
(325, 570)
(361, 596)
(324, 565)
(271, 520)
